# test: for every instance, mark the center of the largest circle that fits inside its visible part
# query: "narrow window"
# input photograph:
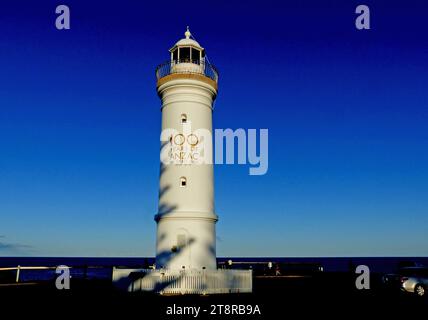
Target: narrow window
(183, 118)
(195, 56)
(183, 182)
(175, 55)
(184, 54)
(181, 241)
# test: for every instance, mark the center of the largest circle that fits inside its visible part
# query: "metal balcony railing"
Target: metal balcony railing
(187, 67)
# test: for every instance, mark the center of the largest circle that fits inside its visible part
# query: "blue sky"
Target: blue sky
(347, 113)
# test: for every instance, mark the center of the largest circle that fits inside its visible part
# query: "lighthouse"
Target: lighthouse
(186, 238)
(187, 87)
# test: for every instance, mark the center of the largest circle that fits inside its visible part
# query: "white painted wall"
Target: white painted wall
(187, 211)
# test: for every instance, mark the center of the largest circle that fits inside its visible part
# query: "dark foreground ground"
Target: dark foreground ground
(324, 296)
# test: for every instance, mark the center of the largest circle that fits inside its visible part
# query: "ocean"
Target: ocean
(101, 268)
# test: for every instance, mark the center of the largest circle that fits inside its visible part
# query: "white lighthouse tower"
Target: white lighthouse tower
(187, 87)
(186, 237)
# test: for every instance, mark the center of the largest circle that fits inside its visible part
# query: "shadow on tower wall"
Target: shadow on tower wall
(167, 256)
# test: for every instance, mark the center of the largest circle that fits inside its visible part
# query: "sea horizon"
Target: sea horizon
(329, 264)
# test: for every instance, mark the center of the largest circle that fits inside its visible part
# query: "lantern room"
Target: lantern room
(187, 50)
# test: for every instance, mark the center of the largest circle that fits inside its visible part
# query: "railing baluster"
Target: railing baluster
(194, 67)
(18, 270)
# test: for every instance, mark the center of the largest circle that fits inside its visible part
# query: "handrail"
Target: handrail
(19, 268)
(27, 268)
(186, 66)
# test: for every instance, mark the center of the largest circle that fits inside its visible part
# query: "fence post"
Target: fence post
(18, 269)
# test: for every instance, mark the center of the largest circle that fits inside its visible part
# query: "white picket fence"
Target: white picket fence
(184, 281)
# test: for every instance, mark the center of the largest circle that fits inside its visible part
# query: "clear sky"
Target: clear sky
(347, 113)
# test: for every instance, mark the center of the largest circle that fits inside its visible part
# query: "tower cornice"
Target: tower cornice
(191, 215)
(192, 76)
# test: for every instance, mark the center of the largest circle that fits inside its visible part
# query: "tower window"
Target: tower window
(183, 118)
(184, 54)
(195, 55)
(183, 182)
(175, 55)
(181, 241)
